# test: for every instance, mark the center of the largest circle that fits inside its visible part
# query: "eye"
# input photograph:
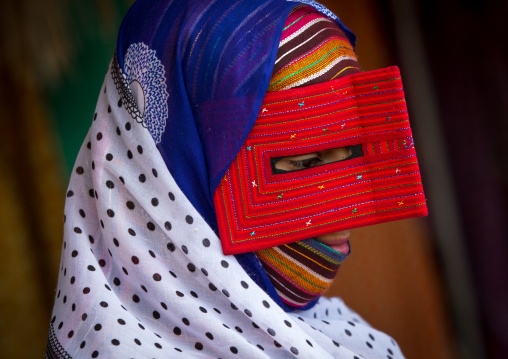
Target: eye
(309, 160)
(307, 163)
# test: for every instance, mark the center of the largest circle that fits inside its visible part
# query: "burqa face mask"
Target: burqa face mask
(260, 206)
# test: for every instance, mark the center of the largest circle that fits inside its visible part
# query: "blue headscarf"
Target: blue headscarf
(215, 59)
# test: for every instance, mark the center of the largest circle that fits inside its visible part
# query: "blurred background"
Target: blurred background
(438, 285)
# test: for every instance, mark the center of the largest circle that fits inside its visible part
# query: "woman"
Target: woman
(167, 252)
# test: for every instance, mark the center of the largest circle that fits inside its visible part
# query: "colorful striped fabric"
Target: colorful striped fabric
(301, 271)
(257, 209)
(312, 50)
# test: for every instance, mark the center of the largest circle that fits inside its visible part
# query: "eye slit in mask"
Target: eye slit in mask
(309, 160)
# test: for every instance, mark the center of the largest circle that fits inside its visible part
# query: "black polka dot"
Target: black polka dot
(198, 346)
(78, 230)
(369, 345)
(156, 314)
(74, 253)
(351, 323)
(91, 193)
(177, 331)
(86, 290)
(95, 354)
(115, 241)
(225, 292)
(121, 179)
(128, 126)
(244, 284)
(171, 196)
(110, 213)
(84, 316)
(99, 136)
(271, 332)
(82, 213)
(335, 343)
(155, 202)
(135, 298)
(151, 253)
(89, 145)
(294, 350)
(191, 267)
(70, 194)
(203, 310)
(276, 343)
(218, 311)
(141, 326)
(109, 157)
(137, 341)
(129, 154)
(180, 294)
(142, 178)
(131, 232)
(233, 350)
(70, 334)
(347, 332)
(80, 170)
(102, 263)
(73, 279)
(125, 271)
(167, 225)
(224, 264)
(390, 351)
(110, 184)
(60, 325)
(266, 304)
(189, 219)
(171, 247)
(135, 260)
(248, 313)
(206, 242)
(109, 109)
(82, 345)
(288, 323)
(140, 149)
(150, 226)
(260, 347)
(120, 103)
(121, 321)
(157, 277)
(118, 131)
(209, 335)
(212, 287)
(91, 268)
(233, 306)
(93, 165)
(185, 249)
(255, 325)
(371, 337)
(178, 350)
(154, 172)
(115, 342)
(144, 288)
(185, 321)
(130, 205)
(97, 327)
(163, 305)
(193, 294)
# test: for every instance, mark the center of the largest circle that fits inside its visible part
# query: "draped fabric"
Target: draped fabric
(142, 271)
(143, 275)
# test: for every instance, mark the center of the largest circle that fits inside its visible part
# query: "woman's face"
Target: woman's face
(336, 240)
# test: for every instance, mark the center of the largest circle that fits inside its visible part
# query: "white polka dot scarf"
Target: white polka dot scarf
(143, 276)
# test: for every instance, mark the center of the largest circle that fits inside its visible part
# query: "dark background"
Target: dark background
(438, 285)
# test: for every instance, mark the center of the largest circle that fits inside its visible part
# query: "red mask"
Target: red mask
(259, 206)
